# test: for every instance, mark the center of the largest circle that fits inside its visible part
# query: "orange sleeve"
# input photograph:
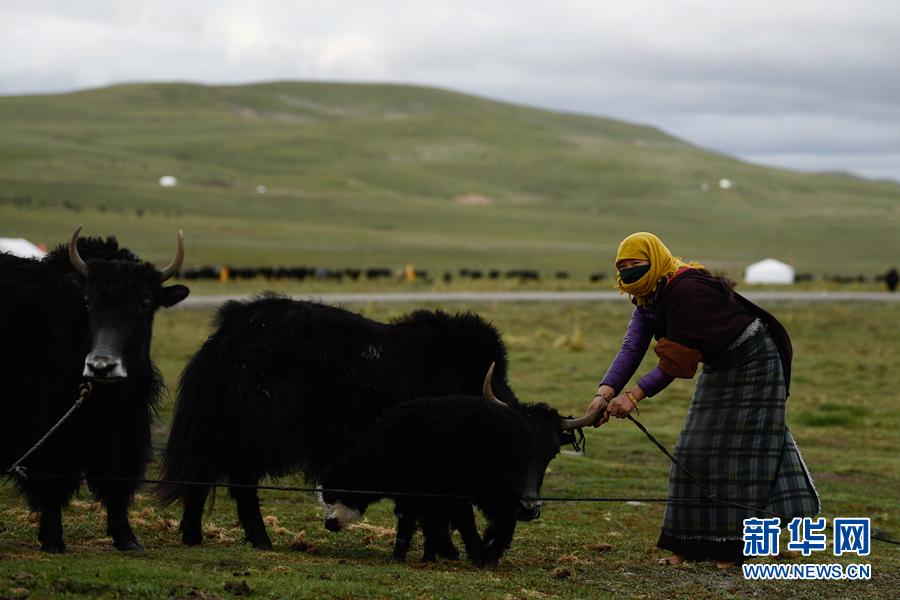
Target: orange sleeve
(676, 360)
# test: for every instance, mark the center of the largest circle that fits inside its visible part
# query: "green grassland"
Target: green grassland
(363, 175)
(844, 412)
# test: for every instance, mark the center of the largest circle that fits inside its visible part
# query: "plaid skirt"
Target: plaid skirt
(736, 442)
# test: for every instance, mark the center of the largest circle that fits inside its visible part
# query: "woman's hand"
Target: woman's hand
(600, 401)
(620, 407)
(624, 404)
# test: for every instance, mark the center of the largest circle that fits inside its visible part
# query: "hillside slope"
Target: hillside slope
(382, 174)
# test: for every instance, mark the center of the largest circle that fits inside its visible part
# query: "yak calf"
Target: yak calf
(455, 446)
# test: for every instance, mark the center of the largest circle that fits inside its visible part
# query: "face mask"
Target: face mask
(632, 274)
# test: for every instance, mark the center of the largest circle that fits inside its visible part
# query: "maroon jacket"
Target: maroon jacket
(694, 318)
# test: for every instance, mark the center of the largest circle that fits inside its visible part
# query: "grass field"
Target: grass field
(844, 412)
(371, 175)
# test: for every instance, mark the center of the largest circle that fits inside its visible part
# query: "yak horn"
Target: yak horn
(175, 266)
(486, 388)
(74, 257)
(585, 421)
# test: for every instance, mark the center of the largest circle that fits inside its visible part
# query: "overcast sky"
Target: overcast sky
(806, 84)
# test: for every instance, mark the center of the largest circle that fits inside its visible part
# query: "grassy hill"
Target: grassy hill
(383, 174)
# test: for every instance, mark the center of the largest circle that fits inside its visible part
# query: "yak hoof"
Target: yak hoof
(53, 548)
(450, 553)
(128, 544)
(262, 545)
(399, 557)
(191, 539)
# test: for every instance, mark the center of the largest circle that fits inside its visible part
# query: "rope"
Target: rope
(713, 498)
(288, 488)
(84, 393)
(665, 451)
(86, 389)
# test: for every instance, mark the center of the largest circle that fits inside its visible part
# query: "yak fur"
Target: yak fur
(48, 314)
(283, 386)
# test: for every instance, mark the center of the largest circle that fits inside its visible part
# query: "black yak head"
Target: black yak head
(121, 295)
(549, 432)
(546, 439)
(344, 508)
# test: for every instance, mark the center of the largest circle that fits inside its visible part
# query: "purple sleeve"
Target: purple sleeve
(654, 382)
(637, 340)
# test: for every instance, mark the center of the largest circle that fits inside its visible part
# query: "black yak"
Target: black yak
(476, 447)
(84, 312)
(283, 386)
(891, 278)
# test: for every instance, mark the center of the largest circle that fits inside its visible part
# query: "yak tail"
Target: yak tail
(194, 451)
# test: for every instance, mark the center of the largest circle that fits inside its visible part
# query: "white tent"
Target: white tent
(21, 247)
(769, 271)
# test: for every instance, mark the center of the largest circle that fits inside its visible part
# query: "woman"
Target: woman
(735, 439)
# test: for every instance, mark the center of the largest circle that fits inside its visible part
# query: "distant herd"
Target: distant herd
(228, 272)
(218, 272)
(418, 410)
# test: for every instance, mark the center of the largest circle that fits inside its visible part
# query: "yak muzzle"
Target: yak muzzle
(338, 516)
(529, 510)
(99, 366)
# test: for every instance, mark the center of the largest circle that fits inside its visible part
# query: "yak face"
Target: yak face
(338, 516)
(546, 439)
(121, 299)
(121, 295)
(548, 433)
(342, 509)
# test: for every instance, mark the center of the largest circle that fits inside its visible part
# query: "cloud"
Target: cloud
(804, 78)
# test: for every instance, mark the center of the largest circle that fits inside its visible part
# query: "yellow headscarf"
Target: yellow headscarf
(646, 246)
